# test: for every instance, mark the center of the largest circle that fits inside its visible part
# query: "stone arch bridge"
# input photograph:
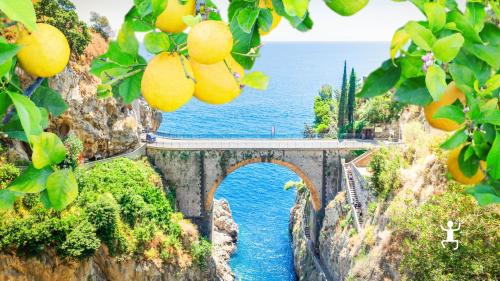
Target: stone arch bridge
(196, 168)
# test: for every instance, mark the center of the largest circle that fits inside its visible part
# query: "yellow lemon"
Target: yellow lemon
(451, 94)
(165, 84)
(217, 83)
(457, 174)
(346, 7)
(276, 18)
(44, 52)
(171, 19)
(209, 42)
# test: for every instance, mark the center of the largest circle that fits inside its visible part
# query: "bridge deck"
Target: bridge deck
(266, 144)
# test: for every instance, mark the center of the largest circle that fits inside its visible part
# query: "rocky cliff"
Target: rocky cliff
(101, 267)
(374, 252)
(224, 237)
(107, 127)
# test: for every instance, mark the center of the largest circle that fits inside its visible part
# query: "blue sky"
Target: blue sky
(376, 22)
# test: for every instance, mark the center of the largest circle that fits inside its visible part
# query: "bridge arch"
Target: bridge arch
(316, 202)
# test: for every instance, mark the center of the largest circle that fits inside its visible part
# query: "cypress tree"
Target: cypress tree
(343, 97)
(351, 98)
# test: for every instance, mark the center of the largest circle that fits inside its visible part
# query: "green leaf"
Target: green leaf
(8, 51)
(492, 84)
(44, 198)
(21, 11)
(126, 39)
(244, 43)
(100, 65)
(247, 18)
(475, 14)
(62, 189)
(411, 66)
(156, 42)
(130, 89)
(451, 112)
(468, 167)
(257, 80)
(8, 198)
(447, 48)
(480, 68)
(490, 34)
(493, 159)
(117, 55)
(296, 7)
(32, 180)
(420, 35)
(490, 116)
(265, 20)
(399, 40)
(139, 23)
(51, 100)
(435, 80)
(144, 7)
(413, 91)
(5, 67)
(456, 140)
(28, 113)
(484, 194)
(158, 6)
(381, 80)
(104, 91)
(488, 53)
(48, 149)
(464, 26)
(436, 14)
(5, 102)
(464, 77)
(191, 21)
(45, 118)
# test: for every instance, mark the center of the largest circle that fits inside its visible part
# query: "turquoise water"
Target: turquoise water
(255, 193)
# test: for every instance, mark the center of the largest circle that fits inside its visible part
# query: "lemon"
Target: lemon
(215, 83)
(276, 18)
(165, 85)
(171, 19)
(209, 42)
(457, 174)
(346, 7)
(44, 52)
(451, 94)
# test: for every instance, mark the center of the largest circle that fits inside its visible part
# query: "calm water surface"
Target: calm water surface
(255, 193)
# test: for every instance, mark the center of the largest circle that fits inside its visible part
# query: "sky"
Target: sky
(376, 22)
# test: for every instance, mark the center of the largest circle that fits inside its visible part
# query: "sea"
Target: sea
(259, 203)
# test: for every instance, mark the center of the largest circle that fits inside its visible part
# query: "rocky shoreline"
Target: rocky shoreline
(224, 237)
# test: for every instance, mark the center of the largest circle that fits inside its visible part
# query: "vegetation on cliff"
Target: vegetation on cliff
(121, 204)
(419, 228)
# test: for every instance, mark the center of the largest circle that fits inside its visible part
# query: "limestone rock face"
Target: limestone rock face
(101, 267)
(224, 237)
(106, 127)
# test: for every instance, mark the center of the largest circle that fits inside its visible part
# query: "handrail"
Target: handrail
(135, 154)
(350, 198)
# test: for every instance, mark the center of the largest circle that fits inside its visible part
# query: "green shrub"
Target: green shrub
(121, 204)
(74, 148)
(62, 14)
(384, 168)
(200, 251)
(8, 173)
(81, 242)
(424, 258)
